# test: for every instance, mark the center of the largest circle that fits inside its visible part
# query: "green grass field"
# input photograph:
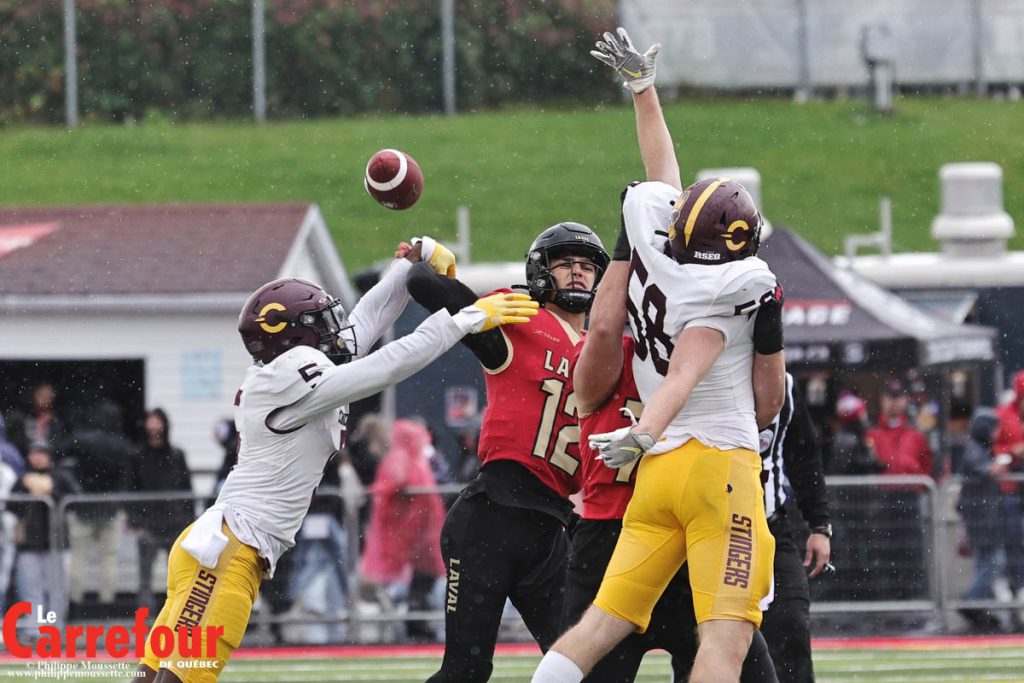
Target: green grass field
(962, 665)
(824, 166)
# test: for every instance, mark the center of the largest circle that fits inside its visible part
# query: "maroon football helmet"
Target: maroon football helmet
(714, 221)
(292, 312)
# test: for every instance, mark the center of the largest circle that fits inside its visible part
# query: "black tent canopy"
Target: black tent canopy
(838, 320)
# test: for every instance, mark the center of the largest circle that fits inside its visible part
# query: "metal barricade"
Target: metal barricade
(895, 550)
(55, 545)
(885, 536)
(960, 552)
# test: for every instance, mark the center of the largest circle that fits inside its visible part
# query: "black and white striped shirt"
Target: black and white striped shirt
(791, 461)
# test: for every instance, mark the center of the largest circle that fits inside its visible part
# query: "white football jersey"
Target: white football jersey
(665, 297)
(268, 492)
(291, 414)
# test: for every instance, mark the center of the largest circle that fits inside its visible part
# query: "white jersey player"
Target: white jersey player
(310, 361)
(668, 294)
(694, 288)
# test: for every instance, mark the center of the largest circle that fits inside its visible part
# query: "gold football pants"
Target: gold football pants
(218, 601)
(699, 504)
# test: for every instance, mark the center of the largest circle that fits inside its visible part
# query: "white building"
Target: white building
(139, 304)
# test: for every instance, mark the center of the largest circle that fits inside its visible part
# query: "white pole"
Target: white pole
(462, 226)
(70, 66)
(448, 55)
(259, 63)
(885, 208)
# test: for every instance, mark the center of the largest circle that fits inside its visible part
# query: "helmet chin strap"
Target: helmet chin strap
(573, 300)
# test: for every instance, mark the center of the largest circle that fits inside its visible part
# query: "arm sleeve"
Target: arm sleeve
(622, 251)
(380, 307)
(388, 365)
(768, 335)
(801, 455)
(434, 292)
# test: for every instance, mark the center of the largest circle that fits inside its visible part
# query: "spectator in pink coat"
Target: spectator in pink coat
(403, 541)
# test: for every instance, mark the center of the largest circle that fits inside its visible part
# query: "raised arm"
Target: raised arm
(638, 72)
(600, 363)
(394, 362)
(435, 292)
(656, 148)
(380, 307)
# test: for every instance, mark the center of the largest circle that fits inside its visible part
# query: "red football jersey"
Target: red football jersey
(531, 411)
(606, 492)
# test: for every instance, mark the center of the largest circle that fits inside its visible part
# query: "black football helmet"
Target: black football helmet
(292, 312)
(560, 240)
(714, 221)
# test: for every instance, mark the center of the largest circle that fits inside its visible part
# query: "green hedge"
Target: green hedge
(188, 59)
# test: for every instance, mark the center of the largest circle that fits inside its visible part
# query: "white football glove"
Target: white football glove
(436, 255)
(621, 447)
(618, 53)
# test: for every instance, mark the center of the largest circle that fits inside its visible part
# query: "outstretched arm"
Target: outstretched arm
(600, 363)
(434, 292)
(394, 362)
(638, 73)
(656, 148)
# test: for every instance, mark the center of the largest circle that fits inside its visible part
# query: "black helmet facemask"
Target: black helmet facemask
(564, 239)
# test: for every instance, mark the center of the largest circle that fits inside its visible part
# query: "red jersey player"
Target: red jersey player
(505, 538)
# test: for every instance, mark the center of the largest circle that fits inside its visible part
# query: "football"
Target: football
(394, 179)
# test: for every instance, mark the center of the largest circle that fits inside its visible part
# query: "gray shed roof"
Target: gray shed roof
(209, 253)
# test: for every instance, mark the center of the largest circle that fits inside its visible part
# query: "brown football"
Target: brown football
(394, 179)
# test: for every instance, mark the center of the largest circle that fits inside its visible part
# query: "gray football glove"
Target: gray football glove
(621, 447)
(618, 53)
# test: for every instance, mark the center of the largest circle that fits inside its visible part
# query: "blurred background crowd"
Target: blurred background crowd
(365, 539)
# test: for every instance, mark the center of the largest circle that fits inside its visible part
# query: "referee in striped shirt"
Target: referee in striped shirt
(794, 478)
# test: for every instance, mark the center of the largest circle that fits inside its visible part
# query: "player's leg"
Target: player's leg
(731, 552)
(674, 625)
(539, 594)
(474, 545)
(149, 666)
(758, 666)
(723, 647)
(787, 621)
(622, 663)
(582, 646)
(218, 600)
(649, 552)
(592, 544)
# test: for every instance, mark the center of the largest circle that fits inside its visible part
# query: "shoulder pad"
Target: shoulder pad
(646, 213)
(743, 285)
(292, 375)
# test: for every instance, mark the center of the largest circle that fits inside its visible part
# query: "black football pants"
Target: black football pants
(494, 552)
(673, 624)
(787, 622)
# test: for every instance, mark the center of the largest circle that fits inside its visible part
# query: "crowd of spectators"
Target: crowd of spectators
(984, 447)
(397, 561)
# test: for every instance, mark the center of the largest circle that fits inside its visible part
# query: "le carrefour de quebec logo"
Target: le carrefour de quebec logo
(51, 642)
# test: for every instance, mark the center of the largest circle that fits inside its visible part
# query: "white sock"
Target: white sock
(556, 668)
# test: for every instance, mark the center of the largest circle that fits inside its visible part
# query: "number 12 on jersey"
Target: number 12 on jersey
(557, 453)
